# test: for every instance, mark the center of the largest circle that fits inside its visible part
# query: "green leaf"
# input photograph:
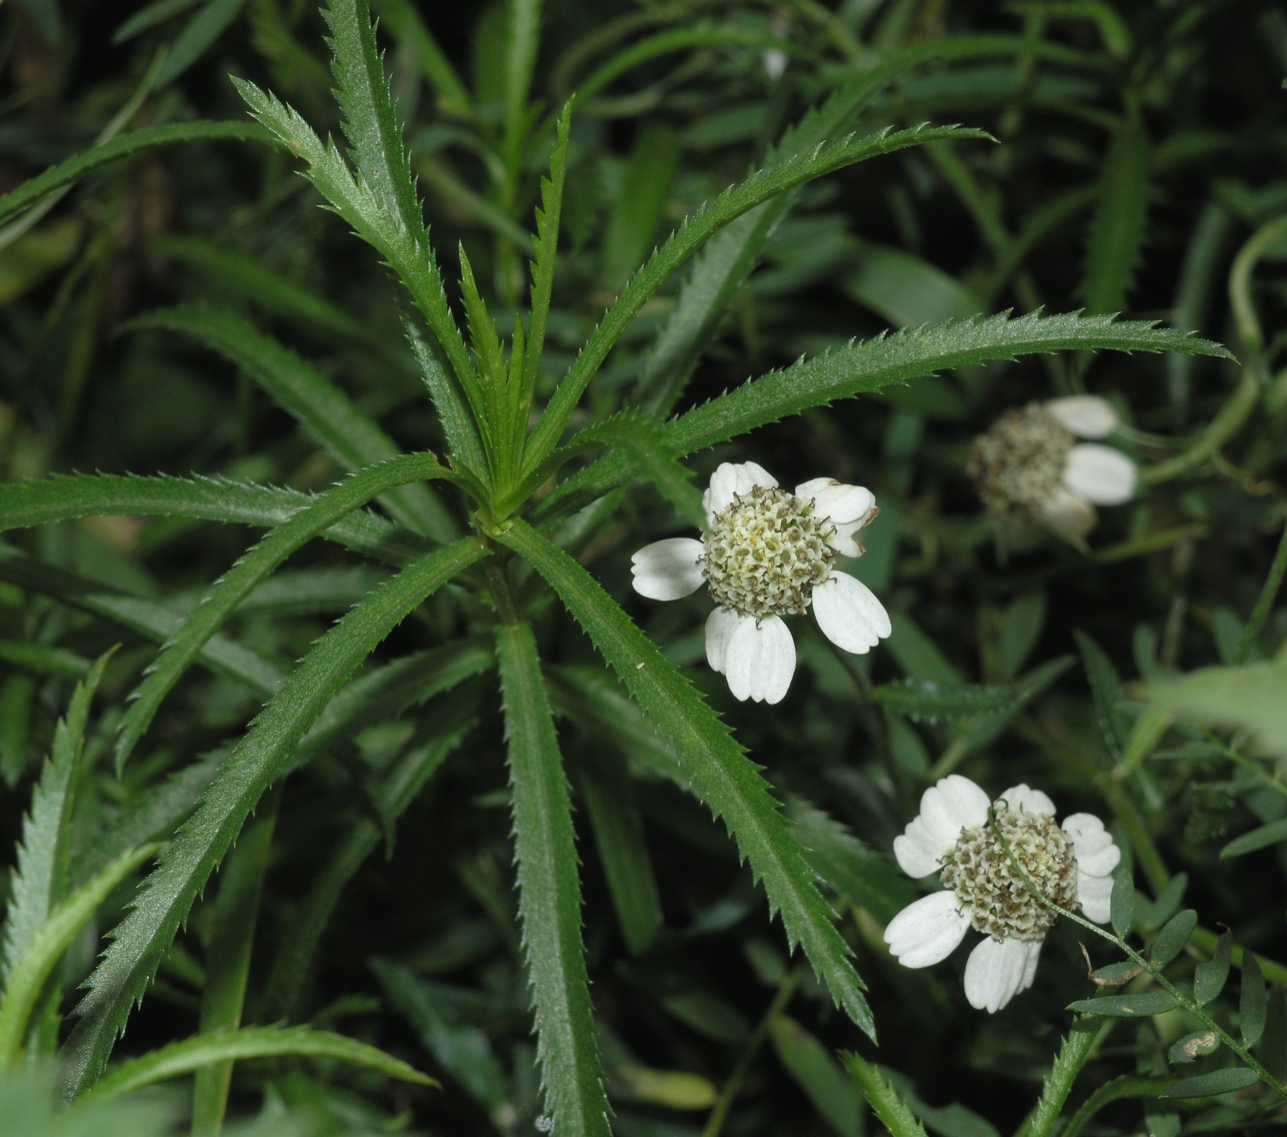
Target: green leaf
(719, 772)
(407, 251)
(684, 241)
(453, 411)
(1253, 1001)
(234, 916)
(150, 620)
(41, 879)
(1173, 937)
(874, 364)
(1117, 229)
(927, 701)
(198, 35)
(1260, 838)
(549, 893)
(404, 20)
(122, 146)
(623, 853)
(1020, 627)
(1193, 1046)
(66, 497)
(1249, 697)
(180, 1058)
(149, 16)
(1208, 1085)
(43, 659)
(368, 115)
(28, 972)
(883, 1098)
(548, 214)
(1125, 1006)
(264, 753)
(1211, 974)
(1116, 974)
(325, 412)
(219, 603)
(638, 206)
(820, 1076)
(1106, 690)
(1122, 903)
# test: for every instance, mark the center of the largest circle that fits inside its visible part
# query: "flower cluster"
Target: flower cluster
(999, 865)
(1030, 470)
(765, 554)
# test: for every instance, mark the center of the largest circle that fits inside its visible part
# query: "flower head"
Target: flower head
(1031, 470)
(767, 553)
(974, 846)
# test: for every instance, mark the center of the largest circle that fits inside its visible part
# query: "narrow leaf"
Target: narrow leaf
(264, 753)
(326, 413)
(1261, 838)
(41, 954)
(1193, 1046)
(1253, 1002)
(720, 774)
(1117, 228)
(1211, 974)
(1122, 903)
(1125, 1006)
(1173, 937)
(1208, 1085)
(180, 1058)
(549, 893)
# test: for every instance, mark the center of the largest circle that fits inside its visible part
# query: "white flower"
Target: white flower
(952, 835)
(766, 554)
(1030, 468)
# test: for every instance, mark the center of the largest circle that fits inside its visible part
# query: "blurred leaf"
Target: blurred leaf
(197, 37)
(670, 1089)
(1117, 230)
(1248, 697)
(1272, 834)
(1208, 1085)
(1253, 1002)
(1122, 903)
(819, 1075)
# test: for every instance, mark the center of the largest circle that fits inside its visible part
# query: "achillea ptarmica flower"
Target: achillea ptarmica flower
(1031, 470)
(765, 554)
(954, 836)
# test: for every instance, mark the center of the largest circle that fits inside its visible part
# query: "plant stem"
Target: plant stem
(786, 989)
(882, 1097)
(1265, 602)
(1077, 1050)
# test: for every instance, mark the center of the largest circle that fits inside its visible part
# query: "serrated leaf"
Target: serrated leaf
(1193, 1046)
(1106, 691)
(1117, 228)
(218, 604)
(1208, 1085)
(1253, 1001)
(719, 773)
(1125, 1006)
(32, 968)
(122, 146)
(66, 497)
(761, 186)
(1211, 974)
(883, 1098)
(875, 364)
(549, 893)
(265, 752)
(322, 409)
(1173, 937)
(181, 1058)
(41, 877)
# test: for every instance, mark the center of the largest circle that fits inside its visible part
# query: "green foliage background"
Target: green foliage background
(338, 756)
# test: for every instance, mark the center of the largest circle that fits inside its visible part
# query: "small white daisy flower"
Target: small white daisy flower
(951, 835)
(765, 554)
(1030, 468)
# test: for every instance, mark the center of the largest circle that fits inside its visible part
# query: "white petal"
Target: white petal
(668, 570)
(1022, 797)
(1094, 894)
(734, 479)
(837, 502)
(1100, 474)
(917, 851)
(994, 973)
(1068, 515)
(720, 625)
(928, 930)
(845, 541)
(1030, 964)
(950, 805)
(1087, 833)
(1088, 416)
(760, 660)
(1101, 863)
(849, 614)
